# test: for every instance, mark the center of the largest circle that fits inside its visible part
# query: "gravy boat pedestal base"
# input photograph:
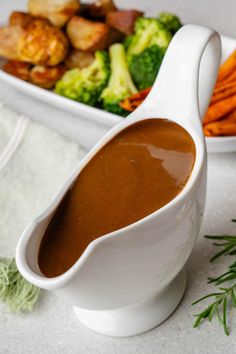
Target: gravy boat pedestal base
(137, 318)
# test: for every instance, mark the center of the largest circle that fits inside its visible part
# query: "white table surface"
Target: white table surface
(52, 327)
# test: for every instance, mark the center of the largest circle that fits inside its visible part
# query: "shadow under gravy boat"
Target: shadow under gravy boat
(130, 280)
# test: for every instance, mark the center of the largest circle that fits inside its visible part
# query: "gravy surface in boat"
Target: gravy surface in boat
(139, 171)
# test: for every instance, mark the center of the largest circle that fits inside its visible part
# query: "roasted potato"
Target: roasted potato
(38, 43)
(87, 35)
(123, 20)
(46, 77)
(18, 18)
(78, 59)
(42, 43)
(102, 7)
(97, 10)
(43, 76)
(114, 36)
(58, 12)
(18, 69)
(9, 39)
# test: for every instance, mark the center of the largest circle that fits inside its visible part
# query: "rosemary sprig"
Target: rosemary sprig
(227, 276)
(228, 243)
(218, 307)
(225, 296)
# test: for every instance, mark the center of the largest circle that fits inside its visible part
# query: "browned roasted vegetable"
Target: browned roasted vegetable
(18, 18)
(123, 20)
(42, 43)
(97, 10)
(114, 36)
(78, 59)
(18, 69)
(87, 35)
(46, 77)
(38, 43)
(58, 12)
(9, 39)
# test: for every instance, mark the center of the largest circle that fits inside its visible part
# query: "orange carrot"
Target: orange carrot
(223, 87)
(132, 102)
(218, 110)
(228, 67)
(218, 96)
(230, 78)
(224, 127)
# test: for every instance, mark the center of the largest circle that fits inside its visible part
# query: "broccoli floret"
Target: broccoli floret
(147, 32)
(170, 21)
(120, 85)
(145, 66)
(85, 85)
(127, 41)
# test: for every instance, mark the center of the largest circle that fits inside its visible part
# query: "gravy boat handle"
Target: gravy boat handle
(187, 76)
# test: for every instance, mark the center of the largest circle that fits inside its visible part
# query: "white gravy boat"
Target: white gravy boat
(130, 280)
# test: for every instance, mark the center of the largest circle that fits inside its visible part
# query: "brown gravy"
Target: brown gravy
(140, 170)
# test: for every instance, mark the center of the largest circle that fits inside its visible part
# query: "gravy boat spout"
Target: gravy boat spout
(130, 280)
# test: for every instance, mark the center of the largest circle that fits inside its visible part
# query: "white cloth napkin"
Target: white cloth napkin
(34, 162)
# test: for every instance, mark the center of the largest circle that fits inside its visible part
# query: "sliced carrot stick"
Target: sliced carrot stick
(224, 127)
(223, 94)
(228, 67)
(127, 106)
(217, 129)
(220, 109)
(132, 102)
(224, 87)
(230, 78)
(141, 94)
(232, 116)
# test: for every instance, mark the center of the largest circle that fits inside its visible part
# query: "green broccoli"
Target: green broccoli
(147, 32)
(120, 85)
(127, 40)
(85, 85)
(170, 21)
(145, 66)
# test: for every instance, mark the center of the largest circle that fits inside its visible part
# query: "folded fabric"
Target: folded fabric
(34, 162)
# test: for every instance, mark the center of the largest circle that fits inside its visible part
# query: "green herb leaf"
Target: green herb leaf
(225, 316)
(218, 307)
(226, 296)
(229, 246)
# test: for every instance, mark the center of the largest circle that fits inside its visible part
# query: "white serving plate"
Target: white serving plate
(105, 119)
